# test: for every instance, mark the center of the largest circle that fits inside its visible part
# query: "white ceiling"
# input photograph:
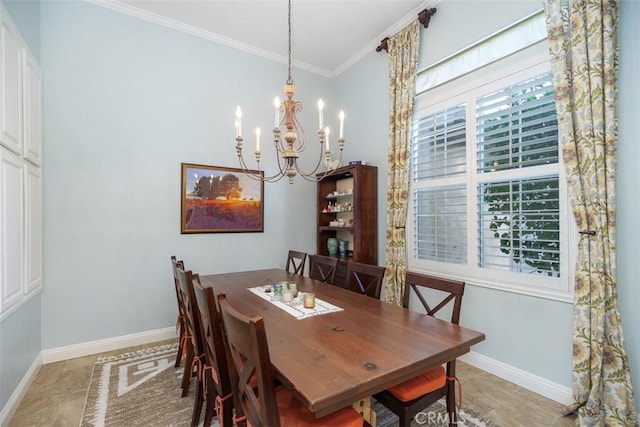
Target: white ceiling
(328, 36)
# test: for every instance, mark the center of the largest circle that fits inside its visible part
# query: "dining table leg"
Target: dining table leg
(363, 406)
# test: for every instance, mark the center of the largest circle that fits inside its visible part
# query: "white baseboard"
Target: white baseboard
(18, 394)
(109, 344)
(527, 380)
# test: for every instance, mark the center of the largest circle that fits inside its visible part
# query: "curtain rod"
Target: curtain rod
(424, 17)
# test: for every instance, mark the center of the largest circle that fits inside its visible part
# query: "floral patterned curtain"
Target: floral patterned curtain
(584, 62)
(404, 49)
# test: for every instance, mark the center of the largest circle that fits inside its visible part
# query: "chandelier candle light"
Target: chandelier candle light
(295, 140)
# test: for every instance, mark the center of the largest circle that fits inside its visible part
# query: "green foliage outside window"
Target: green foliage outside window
(525, 212)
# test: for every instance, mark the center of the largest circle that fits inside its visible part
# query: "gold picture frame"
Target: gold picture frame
(217, 199)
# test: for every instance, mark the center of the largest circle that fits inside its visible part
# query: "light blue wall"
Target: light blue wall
(628, 184)
(20, 344)
(21, 332)
(126, 101)
(363, 89)
(26, 15)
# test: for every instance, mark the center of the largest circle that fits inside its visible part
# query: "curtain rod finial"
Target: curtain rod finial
(383, 45)
(425, 16)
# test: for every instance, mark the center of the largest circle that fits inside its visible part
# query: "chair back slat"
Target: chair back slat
(175, 264)
(247, 342)
(296, 260)
(180, 321)
(365, 278)
(323, 268)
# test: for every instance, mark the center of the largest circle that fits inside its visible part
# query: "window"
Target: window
(488, 198)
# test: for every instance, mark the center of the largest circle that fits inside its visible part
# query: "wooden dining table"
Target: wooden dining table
(329, 361)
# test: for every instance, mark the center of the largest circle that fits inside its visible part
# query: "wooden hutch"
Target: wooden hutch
(348, 211)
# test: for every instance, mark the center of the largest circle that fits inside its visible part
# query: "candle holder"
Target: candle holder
(309, 300)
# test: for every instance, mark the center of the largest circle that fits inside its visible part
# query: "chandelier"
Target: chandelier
(294, 142)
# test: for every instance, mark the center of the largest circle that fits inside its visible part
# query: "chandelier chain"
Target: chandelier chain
(289, 79)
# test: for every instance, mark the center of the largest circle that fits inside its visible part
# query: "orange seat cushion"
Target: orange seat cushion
(420, 385)
(294, 414)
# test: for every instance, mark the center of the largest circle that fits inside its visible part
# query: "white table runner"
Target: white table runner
(297, 310)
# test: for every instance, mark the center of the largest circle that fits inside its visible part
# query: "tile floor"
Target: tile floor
(57, 396)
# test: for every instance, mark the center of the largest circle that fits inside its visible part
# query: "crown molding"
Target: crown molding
(207, 35)
(253, 50)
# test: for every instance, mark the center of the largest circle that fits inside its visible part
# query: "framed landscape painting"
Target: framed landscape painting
(220, 200)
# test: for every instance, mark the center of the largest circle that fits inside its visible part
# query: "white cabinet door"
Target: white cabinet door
(33, 228)
(32, 99)
(11, 228)
(10, 87)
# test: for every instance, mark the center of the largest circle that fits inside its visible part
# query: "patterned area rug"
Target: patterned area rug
(142, 388)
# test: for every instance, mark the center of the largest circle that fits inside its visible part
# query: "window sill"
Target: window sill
(551, 294)
(531, 291)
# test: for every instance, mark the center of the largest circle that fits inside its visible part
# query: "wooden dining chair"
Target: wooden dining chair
(260, 402)
(365, 279)
(296, 260)
(194, 344)
(216, 390)
(180, 326)
(322, 268)
(416, 394)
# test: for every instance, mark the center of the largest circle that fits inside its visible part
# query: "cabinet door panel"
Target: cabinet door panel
(32, 110)
(33, 228)
(11, 228)
(10, 90)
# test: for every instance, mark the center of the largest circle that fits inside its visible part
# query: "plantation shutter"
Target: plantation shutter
(517, 126)
(439, 144)
(440, 214)
(518, 215)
